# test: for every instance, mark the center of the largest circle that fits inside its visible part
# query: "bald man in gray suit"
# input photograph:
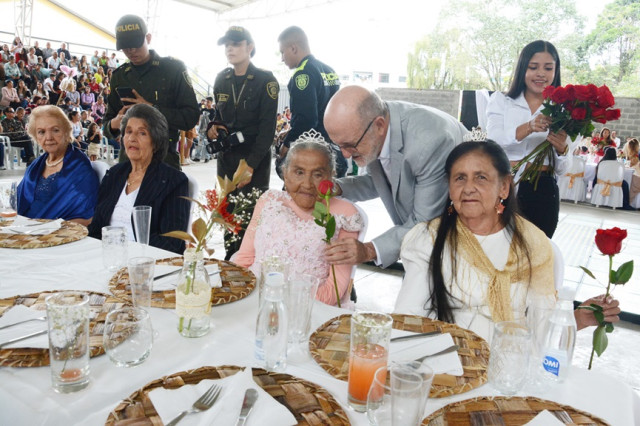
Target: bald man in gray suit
(404, 147)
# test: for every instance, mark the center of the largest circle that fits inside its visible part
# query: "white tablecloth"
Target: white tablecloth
(590, 174)
(26, 397)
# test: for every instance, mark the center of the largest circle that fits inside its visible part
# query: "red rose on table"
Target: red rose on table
(605, 98)
(325, 187)
(559, 95)
(609, 241)
(579, 114)
(612, 114)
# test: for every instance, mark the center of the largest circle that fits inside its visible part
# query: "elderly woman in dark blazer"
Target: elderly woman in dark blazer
(144, 180)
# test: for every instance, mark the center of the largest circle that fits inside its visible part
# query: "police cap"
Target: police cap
(236, 34)
(130, 32)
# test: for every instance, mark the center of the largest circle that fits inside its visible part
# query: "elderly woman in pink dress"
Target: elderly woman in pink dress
(283, 225)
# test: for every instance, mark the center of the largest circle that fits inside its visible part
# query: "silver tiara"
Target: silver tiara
(311, 135)
(475, 135)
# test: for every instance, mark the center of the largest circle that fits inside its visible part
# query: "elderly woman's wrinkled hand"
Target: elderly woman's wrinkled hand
(349, 251)
(611, 310)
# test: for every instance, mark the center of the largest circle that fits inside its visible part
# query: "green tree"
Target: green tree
(616, 39)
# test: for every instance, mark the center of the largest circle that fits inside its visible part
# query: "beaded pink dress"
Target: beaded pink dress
(280, 228)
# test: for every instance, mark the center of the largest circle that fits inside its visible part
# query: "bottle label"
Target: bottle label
(551, 364)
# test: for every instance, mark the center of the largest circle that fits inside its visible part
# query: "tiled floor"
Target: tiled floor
(377, 289)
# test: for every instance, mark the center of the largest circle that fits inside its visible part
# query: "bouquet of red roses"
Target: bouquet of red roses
(601, 145)
(572, 108)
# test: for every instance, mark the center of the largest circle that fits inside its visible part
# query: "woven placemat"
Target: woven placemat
(504, 410)
(329, 346)
(100, 305)
(309, 403)
(68, 233)
(237, 283)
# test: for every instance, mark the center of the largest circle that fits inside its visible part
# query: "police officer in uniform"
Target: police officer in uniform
(312, 85)
(157, 81)
(247, 102)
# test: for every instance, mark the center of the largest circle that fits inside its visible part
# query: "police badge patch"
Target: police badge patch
(272, 89)
(302, 81)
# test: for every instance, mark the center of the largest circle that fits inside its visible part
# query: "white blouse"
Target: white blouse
(468, 288)
(121, 215)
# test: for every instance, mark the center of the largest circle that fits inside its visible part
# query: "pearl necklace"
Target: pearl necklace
(55, 163)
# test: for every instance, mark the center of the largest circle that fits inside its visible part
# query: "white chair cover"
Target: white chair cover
(100, 168)
(571, 184)
(611, 173)
(558, 266)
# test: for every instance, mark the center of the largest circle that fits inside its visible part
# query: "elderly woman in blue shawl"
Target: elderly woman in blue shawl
(61, 182)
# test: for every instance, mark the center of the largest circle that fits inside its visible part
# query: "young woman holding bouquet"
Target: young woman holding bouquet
(516, 123)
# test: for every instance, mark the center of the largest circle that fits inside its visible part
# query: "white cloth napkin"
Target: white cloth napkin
(225, 411)
(169, 282)
(409, 350)
(21, 313)
(22, 225)
(544, 418)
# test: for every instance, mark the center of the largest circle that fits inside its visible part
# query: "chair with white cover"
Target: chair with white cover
(100, 168)
(608, 188)
(571, 184)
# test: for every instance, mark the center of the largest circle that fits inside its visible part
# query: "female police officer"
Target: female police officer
(246, 106)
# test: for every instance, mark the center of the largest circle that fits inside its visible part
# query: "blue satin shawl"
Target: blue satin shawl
(77, 188)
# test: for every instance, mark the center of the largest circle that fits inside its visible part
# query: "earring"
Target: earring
(450, 209)
(500, 206)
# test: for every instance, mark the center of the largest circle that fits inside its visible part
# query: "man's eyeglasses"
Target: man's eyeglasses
(353, 147)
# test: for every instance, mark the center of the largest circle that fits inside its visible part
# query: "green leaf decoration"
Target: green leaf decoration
(623, 274)
(599, 316)
(588, 272)
(331, 227)
(199, 229)
(320, 207)
(612, 276)
(317, 216)
(608, 327)
(600, 340)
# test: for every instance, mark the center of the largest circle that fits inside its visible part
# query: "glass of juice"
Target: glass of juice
(370, 334)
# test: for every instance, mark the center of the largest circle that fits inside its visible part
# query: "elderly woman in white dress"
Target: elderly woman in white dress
(283, 225)
(480, 262)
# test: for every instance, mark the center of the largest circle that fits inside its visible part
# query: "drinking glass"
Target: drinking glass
(300, 295)
(271, 264)
(142, 223)
(425, 372)
(370, 334)
(114, 247)
(399, 403)
(538, 324)
(509, 359)
(68, 321)
(8, 201)
(141, 271)
(128, 336)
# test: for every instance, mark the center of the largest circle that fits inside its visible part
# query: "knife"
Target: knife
(167, 274)
(413, 336)
(250, 397)
(17, 339)
(22, 322)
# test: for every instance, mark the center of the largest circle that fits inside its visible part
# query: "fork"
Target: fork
(203, 403)
(444, 351)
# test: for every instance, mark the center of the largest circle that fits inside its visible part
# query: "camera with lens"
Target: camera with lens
(224, 141)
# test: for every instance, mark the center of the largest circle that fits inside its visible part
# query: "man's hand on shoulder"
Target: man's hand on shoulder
(349, 251)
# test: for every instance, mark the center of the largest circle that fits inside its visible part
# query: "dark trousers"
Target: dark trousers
(542, 205)
(227, 164)
(27, 149)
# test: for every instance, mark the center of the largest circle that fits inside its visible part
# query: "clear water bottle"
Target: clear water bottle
(560, 339)
(271, 326)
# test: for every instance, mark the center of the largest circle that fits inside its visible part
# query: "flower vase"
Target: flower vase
(193, 296)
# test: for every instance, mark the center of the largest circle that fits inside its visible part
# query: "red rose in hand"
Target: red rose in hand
(548, 91)
(559, 95)
(605, 98)
(325, 187)
(609, 241)
(579, 114)
(598, 115)
(583, 93)
(612, 114)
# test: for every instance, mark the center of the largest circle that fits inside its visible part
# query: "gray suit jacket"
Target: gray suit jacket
(421, 139)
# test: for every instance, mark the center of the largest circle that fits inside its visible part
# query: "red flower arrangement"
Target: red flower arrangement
(325, 219)
(609, 242)
(572, 108)
(601, 144)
